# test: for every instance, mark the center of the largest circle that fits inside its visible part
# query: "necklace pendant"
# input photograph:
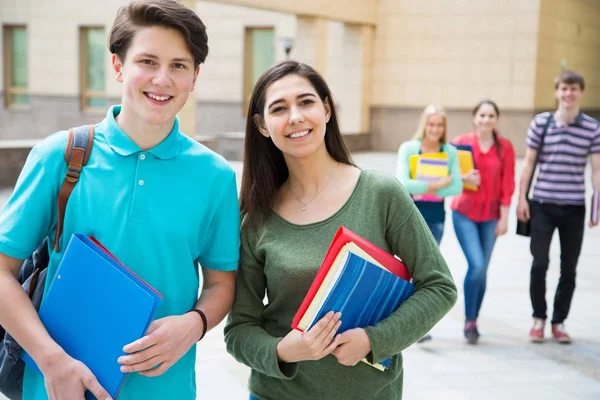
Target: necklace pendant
(304, 207)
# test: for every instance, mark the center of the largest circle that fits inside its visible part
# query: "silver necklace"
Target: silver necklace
(303, 203)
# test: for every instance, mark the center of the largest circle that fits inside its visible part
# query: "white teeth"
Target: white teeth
(159, 98)
(297, 135)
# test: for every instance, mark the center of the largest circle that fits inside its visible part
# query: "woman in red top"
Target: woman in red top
(480, 216)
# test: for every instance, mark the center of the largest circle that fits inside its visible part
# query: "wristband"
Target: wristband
(204, 322)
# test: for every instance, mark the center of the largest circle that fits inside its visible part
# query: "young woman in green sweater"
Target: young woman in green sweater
(299, 186)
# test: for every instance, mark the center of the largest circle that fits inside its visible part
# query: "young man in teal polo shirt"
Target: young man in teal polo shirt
(161, 202)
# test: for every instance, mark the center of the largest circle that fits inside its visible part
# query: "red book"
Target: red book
(342, 237)
(111, 255)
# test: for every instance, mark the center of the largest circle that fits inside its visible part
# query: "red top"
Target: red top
(497, 180)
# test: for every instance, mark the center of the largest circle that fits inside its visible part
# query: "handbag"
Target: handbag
(524, 228)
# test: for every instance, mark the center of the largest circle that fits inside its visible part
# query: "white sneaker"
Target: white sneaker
(560, 334)
(536, 334)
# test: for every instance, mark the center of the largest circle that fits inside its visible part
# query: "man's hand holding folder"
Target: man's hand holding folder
(65, 375)
(595, 205)
(166, 341)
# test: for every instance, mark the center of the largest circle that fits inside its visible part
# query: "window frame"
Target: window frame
(248, 85)
(85, 94)
(9, 90)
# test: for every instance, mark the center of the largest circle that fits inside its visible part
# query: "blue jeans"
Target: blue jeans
(437, 229)
(253, 398)
(477, 242)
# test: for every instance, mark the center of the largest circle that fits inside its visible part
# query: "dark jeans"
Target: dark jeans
(437, 230)
(570, 221)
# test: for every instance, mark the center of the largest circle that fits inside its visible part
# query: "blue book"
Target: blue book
(94, 307)
(364, 293)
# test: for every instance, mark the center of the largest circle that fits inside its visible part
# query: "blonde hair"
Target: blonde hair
(432, 109)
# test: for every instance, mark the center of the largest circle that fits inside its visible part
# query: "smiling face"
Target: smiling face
(295, 117)
(157, 74)
(568, 95)
(435, 128)
(485, 118)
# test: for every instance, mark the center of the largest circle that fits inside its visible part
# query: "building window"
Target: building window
(93, 51)
(16, 71)
(259, 56)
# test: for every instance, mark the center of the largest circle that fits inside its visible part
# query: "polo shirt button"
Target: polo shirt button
(142, 157)
(141, 182)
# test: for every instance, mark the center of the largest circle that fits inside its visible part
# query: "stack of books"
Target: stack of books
(360, 280)
(429, 167)
(413, 161)
(95, 306)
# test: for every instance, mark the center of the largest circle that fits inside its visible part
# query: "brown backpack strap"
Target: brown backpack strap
(77, 154)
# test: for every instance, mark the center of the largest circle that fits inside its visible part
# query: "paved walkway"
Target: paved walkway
(504, 365)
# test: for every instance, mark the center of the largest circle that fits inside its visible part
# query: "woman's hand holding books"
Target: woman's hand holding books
(314, 344)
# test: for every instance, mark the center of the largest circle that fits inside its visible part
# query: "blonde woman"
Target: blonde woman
(429, 195)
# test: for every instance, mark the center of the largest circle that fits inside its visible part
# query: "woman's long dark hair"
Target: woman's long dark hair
(494, 133)
(265, 169)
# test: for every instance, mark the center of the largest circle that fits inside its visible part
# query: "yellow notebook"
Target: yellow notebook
(465, 161)
(414, 160)
(429, 169)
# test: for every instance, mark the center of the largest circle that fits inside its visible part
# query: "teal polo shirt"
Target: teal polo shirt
(162, 212)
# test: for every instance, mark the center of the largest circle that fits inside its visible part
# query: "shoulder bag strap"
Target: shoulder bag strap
(539, 151)
(77, 154)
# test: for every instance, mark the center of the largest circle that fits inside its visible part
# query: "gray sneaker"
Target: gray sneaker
(471, 332)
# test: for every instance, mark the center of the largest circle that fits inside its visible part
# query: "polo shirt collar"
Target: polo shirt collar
(123, 145)
(578, 120)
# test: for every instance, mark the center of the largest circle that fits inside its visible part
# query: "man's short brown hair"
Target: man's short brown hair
(164, 13)
(570, 78)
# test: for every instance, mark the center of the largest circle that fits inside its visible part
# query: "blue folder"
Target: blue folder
(365, 294)
(94, 307)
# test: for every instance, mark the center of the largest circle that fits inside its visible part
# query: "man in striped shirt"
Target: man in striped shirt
(566, 138)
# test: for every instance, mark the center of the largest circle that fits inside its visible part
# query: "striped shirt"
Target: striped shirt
(563, 157)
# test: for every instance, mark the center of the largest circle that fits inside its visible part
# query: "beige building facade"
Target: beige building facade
(458, 52)
(384, 60)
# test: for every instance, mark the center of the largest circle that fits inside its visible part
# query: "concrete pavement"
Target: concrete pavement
(504, 365)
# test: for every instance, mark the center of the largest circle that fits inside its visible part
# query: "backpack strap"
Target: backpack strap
(77, 154)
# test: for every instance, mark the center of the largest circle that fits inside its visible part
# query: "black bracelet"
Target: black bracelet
(204, 322)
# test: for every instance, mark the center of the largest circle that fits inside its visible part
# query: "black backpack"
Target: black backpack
(32, 274)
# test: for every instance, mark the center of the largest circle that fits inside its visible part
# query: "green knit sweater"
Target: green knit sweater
(281, 259)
